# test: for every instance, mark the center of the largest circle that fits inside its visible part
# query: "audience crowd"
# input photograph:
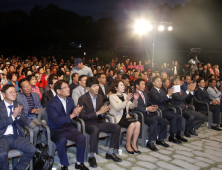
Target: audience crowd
(90, 91)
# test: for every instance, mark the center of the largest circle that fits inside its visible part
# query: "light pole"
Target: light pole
(143, 26)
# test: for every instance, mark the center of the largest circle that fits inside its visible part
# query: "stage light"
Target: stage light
(141, 26)
(150, 27)
(170, 28)
(161, 28)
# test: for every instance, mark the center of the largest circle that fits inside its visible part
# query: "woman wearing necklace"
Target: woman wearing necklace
(119, 107)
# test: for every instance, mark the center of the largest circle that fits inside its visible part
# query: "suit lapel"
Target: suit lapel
(4, 109)
(60, 105)
(90, 101)
(25, 101)
(51, 94)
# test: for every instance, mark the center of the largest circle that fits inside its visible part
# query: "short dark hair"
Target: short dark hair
(155, 78)
(211, 80)
(100, 74)
(186, 77)
(51, 77)
(58, 85)
(80, 77)
(137, 82)
(74, 75)
(164, 80)
(114, 85)
(91, 81)
(194, 76)
(199, 80)
(125, 76)
(29, 77)
(60, 73)
(173, 79)
(6, 87)
(21, 81)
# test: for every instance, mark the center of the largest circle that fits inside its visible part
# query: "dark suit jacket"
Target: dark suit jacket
(180, 99)
(5, 121)
(107, 89)
(158, 99)
(88, 114)
(204, 75)
(203, 96)
(141, 105)
(128, 88)
(72, 86)
(57, 117)
(165, 90)
(46, 96)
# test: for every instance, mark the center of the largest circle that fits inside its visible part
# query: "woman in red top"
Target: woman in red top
(42, 80)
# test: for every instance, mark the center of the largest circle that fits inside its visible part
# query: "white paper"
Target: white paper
(176, 89)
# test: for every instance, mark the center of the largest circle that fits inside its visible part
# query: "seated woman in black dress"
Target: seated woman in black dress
(119, 106)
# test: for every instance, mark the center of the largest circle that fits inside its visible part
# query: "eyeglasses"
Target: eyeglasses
(67, 87)
(55, 78)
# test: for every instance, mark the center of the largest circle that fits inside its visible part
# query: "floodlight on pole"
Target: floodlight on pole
(170, 28)
(161, 28)
(141, 26)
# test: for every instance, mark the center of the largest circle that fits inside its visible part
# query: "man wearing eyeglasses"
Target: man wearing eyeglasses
(61, 110)
(47, 95)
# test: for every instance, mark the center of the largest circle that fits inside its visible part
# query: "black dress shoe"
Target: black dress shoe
(180, 138)
(193, 133)
(162, 142)
(64, 168)
(14, 168)
(220, 125)
(113, 157)
(138, 152)
(174, 140)
(81, 166)
(92, 162)
(187, 134)
(151, 146)
(39, 146)
(130, 152)
(216, 128)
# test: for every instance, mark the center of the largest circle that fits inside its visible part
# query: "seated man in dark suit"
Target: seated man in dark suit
(103, 89)
(158, 97)
(61, 111)
(165, 85)
(150, 118)
(193, 119)
(92, 113)
(187, 80)
(12, 118)
(214, 107)
(47, 95)
(75, 82)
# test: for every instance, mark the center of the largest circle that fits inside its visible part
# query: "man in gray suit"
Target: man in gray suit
(214, 93)
(31, 105)
(80, 90)
(12, 118)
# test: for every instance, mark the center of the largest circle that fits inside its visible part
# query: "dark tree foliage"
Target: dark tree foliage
(198, 23)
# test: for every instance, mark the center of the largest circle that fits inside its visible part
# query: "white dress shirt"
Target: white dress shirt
(9, 130)
(53, 92)
(63, 103)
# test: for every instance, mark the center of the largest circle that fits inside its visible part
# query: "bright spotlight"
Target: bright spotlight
(150, 27)
(161, 28)
(141, 26)
(170, 28)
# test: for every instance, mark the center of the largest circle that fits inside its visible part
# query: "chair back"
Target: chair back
(43, 115)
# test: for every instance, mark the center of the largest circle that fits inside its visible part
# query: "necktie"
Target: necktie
(143, 98)
(15, 130)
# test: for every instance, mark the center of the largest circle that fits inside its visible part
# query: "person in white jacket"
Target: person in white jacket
(119, 106)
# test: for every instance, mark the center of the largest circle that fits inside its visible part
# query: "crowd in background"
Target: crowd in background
(38, 80)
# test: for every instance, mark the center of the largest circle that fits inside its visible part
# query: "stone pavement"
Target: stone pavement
(201, 152)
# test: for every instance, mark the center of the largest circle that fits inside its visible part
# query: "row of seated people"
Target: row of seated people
(61, 110)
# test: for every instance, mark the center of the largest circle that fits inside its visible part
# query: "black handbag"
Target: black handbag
(42, 161)
(131, 120)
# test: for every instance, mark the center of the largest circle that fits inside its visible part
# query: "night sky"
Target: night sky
(117, 9)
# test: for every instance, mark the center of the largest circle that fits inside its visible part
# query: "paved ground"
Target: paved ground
(201, 152)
